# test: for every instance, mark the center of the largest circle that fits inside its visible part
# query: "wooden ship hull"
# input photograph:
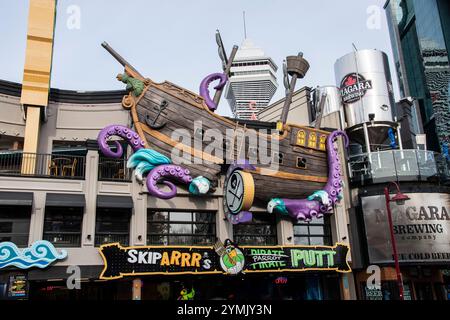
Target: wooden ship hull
(302, 168)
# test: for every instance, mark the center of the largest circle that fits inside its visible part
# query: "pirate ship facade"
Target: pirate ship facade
(297, 167)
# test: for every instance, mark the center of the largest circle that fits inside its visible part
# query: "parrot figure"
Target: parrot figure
(135, 86)
(184, 295)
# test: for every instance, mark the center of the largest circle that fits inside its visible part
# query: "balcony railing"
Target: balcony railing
(172, 239)
(42, 165)
(63, 239)
(104, 237)
(401, 165)
(113, 170)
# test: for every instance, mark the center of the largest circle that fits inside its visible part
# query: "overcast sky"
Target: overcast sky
(174, 39)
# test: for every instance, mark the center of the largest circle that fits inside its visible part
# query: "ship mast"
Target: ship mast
(296, 67)
(226, 63)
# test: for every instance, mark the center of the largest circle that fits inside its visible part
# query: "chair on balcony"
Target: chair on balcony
(120, 175)
(70, 168)
(53, 168)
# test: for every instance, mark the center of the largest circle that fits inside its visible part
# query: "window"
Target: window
(322, 142)
(15, 224)
(62, 226)
(301, 137)
(278, 157)
(301, 163)
(112, 225)
(312, 140)
(181, 228)
(261, 230)
(316, 232)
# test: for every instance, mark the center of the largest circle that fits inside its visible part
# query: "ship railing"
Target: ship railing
(399, 165)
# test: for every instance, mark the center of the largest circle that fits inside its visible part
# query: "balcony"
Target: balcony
(58, 166)
(110, 237)
(63, 239)
(113, 170)
(401, 165)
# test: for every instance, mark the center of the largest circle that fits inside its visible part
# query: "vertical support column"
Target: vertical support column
(30, 145)
(36, 74)
(37, 217)
(137, 289)
(367, 140)
(138, 222)
(90, 190)
(347, 283)
(285, 232)
(224, 229)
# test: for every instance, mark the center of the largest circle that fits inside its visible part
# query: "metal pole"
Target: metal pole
(400, 142)
(366, 139)
(394, 244)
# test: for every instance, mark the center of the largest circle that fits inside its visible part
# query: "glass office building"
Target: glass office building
(420, 36)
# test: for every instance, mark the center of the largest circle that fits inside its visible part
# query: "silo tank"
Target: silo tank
(365, 84)
(333, 101)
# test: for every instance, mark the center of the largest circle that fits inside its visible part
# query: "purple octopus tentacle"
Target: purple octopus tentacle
(129, 135)
(163, 173)
(306, 209)
(334, 183)
(204, 88)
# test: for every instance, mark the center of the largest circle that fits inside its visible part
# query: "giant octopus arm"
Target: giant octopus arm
(204, 88)
(131, 137)
(143, 160)
(167, 172)
(322, 201)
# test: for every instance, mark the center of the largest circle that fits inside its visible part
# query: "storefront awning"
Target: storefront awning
(64, 200)
(16, 198)
(125, 202)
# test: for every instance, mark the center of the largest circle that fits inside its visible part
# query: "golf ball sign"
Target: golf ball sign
(222, 258)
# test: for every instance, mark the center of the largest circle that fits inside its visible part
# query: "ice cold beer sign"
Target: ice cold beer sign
(421, 227)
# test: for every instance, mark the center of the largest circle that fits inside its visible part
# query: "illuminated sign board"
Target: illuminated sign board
(18, 287)
(219, 259)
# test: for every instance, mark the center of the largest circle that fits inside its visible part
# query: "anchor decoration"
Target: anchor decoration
(153, 123)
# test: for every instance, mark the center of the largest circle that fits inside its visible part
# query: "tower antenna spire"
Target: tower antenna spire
(245, 28)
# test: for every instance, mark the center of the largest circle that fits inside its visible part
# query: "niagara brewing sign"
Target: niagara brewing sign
(353, 87)
(421, 227)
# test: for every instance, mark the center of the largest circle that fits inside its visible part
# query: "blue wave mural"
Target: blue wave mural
(41, 254)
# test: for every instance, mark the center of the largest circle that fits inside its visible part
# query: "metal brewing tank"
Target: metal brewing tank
(333, 101)
(365, 84)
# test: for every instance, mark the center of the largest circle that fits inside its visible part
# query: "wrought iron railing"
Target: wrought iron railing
(172, 239)
(113, 170)
(61, 166)
(110, 237)
(400, 165)
(253, 239)
(63, 239)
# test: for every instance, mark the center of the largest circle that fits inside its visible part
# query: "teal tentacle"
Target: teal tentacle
(144, 160)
